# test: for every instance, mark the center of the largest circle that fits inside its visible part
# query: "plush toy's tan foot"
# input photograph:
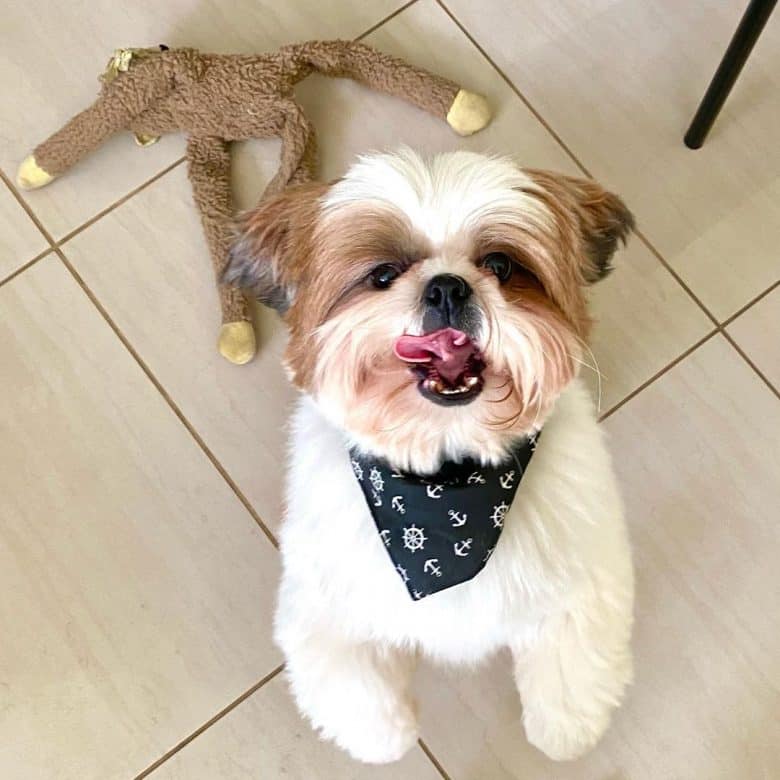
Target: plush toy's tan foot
(468, 113)
(144, 139)
(30, 175)
(237, 342)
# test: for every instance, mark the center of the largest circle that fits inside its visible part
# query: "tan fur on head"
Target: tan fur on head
(312, 251)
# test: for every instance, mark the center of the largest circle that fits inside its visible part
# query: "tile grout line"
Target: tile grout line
(163, 392)
(209, 723)
(432, 758)
(375, 27)
(720, 330)
(117, 203)
(636, 391)
(30, 213)
(750, 363)
(677, 278)
(54, 244)
(749, 305)
(91, 220)
(523, 99)
(22, 268)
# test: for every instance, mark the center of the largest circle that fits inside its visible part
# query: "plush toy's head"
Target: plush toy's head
(436, 308)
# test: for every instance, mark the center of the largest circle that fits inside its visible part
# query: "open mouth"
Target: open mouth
(448, 364)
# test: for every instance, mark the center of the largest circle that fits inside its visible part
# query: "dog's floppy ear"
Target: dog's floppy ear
(601, 218)
(271, 243)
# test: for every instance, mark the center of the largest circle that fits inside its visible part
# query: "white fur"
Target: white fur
(558, 592)
(441, 196)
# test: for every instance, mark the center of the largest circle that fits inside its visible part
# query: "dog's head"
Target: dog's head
(436, 308)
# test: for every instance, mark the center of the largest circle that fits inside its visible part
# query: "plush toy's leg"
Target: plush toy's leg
(209, 171)
(466, 112)
(119, 102)
(299, 150)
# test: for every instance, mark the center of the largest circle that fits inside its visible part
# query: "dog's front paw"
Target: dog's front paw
(376, 734)
(564, 736)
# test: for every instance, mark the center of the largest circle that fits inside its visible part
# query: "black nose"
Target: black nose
(445, 296)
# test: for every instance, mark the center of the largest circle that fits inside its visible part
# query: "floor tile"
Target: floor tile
(644, 320)
(756, 331)
(697, 456)
(265, 737)
(52, 55)
(148, 265)
(20, 240)
(137, 588)
(619, 82)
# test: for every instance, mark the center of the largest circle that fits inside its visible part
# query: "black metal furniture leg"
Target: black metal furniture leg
(745, 37)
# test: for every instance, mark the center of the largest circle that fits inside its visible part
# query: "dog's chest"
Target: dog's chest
(566, 517)
(332, 544)
(335, 546)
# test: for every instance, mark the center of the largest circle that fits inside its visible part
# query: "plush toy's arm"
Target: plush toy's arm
(120, 101)
(465, 111)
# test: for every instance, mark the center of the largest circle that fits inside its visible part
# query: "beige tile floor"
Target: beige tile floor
(140, 474)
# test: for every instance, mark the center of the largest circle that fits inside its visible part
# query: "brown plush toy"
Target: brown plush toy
(216, 99)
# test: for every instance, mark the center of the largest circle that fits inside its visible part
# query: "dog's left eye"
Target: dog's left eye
(384, 275)
(500, 264)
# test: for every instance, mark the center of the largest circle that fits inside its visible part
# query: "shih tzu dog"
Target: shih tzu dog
(449, 490)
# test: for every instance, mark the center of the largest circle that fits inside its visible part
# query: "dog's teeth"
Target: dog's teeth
(436, 385)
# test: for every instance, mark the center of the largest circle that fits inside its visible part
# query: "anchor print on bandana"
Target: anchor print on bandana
(430, 567)
(440, 530)
(458, 518)
(434, 491)
(397, 503)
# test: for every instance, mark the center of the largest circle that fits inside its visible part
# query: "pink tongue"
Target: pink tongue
(447, 350)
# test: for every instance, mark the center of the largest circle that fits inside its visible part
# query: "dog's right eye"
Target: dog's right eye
(384, 275)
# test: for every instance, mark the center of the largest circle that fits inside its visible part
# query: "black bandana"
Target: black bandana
(440, 530)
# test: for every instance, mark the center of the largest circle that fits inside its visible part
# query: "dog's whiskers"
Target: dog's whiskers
(594, 368)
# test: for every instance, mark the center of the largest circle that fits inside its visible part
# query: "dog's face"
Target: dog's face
(436, 308)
